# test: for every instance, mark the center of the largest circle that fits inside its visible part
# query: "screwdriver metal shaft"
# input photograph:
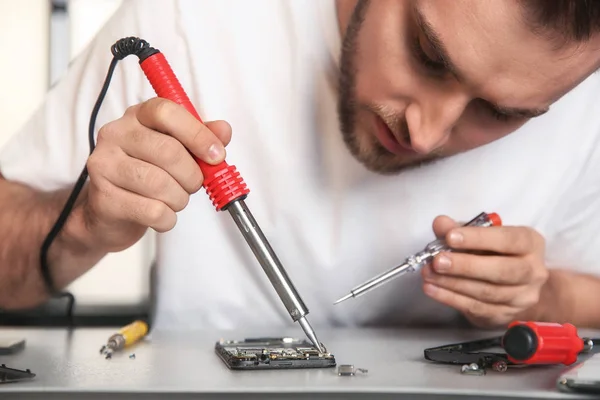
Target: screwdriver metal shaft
(417, 261)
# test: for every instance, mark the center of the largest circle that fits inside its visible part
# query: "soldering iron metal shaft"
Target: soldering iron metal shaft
(272, 267)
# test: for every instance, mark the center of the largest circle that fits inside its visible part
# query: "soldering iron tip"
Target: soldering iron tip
(346, 297)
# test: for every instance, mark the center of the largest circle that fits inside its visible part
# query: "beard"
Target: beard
(367, 150)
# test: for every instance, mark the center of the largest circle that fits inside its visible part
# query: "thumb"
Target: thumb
(442, 225)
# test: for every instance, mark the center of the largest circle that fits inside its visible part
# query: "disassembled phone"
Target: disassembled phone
(272, 353)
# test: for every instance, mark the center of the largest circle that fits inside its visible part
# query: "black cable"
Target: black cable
(120, 50)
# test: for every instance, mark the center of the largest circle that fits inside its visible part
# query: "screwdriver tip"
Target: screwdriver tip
(346, 297)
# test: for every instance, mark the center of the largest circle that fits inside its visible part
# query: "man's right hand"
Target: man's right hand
(141, 171)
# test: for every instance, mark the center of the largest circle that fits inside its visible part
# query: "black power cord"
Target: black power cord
(121, 49)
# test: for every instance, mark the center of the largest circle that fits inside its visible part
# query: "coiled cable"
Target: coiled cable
(121, 49)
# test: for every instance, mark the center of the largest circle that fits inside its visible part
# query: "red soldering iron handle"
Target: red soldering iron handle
(542, 343)
(222, 182)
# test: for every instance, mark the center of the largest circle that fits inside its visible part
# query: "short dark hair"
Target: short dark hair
(565, 20)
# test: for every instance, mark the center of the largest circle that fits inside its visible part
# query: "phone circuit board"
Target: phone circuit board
(272, 353)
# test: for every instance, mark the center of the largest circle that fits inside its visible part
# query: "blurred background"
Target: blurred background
(55, 32)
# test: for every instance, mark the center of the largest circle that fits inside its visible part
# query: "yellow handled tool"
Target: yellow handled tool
(125, 337)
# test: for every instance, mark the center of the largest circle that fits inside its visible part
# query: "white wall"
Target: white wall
(121, 278)
(23, 74)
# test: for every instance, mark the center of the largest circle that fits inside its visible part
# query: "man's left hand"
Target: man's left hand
(490, 290)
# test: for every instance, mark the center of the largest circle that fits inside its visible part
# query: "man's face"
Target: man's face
(424, 79)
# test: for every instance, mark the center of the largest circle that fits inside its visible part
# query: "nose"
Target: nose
(431, 119)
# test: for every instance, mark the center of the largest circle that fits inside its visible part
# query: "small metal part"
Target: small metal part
(346, 370)
(108, 355)
(500, 366)
(472, 369)
(132, 356)
(350, 370)
(588, 345)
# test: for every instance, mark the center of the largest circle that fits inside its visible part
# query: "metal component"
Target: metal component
(588, 345)
(346, 370)
(472, 369)
(500, 366)
(126, 336)
(265, 255)
(412, 263)
(310, 333)
(132, 356)
(116, 342)
(350, 370)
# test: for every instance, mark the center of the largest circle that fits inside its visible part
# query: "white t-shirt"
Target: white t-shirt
(269, 68)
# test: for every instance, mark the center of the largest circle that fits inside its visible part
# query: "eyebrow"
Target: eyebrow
(441, 55)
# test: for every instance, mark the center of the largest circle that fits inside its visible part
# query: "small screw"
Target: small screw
(132, 356)
(472, 369)
(500, 366)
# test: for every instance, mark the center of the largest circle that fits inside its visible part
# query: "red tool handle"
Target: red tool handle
(542, 343)
(223, 183)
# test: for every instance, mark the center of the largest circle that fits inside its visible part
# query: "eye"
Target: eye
(490, 110)
(436, 66)
(498, 115)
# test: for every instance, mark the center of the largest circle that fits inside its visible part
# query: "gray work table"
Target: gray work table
(184, 365)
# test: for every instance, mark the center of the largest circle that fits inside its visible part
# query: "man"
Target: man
(446, 108)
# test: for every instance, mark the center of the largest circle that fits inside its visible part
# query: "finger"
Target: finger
(172, 119)
(117, 204)
(442, 225)
(165, 152)
(147, 180)
(221, 129)
(487, 314)
(515, 296)
(514, 240)
(493, 269)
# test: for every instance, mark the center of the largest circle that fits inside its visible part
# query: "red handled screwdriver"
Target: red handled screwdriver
(544, 343)
(417, 261)
(222, 182)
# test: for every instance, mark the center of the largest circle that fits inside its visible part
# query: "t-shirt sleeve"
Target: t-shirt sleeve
(51, 149)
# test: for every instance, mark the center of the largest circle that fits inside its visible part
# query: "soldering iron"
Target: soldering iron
(222, 182)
